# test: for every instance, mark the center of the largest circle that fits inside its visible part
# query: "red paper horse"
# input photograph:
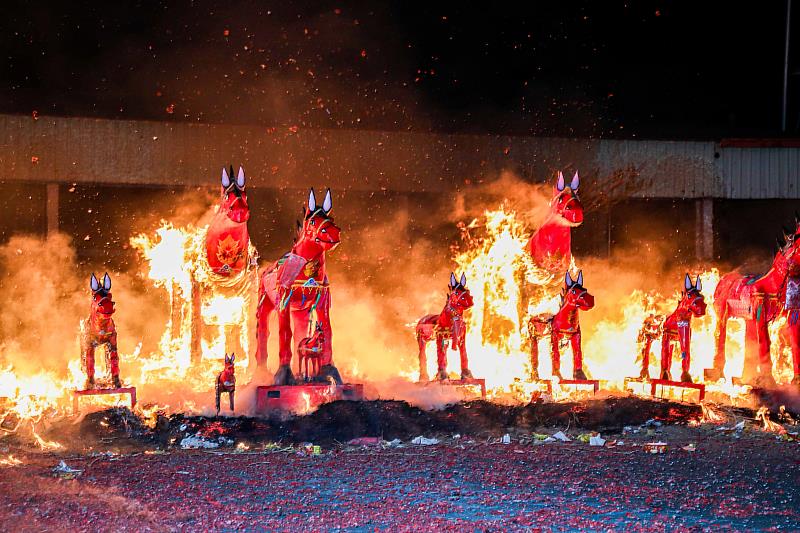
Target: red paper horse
(551, 245)
(227, 238)
(99, 330)
(310, 351)
(678, 328)
(297, 286)
(563, 325)
(228, 262)
(759, 301)
(226, 382)
(446, 326)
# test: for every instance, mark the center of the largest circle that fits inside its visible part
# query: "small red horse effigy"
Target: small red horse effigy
(564, 325)
(297, 287)
(651, 330)
(448, 325)
(677, 327)
(226, 382)
(551, 245)
(759, 300)
(99, 330)
(310, 351)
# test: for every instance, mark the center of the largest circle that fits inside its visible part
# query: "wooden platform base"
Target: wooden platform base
(479, 382)
(594, 383)
(303, 398)
(76, 395)
(699, 387)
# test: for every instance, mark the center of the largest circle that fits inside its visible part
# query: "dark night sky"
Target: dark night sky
(686, 69)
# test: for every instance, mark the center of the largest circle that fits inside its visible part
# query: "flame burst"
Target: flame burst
(497, 264)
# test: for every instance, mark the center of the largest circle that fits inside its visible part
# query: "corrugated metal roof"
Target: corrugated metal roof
(146, 153)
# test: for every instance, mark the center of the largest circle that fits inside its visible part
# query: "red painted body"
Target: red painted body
(297, 287)
(227, 238)
(551, 245)
(563, 325)
(447, 326)
(99, 330)
(677, 327)
(759, 301)
(226, 382)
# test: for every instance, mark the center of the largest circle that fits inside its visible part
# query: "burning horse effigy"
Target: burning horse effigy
(298, 289)
(563, 326)
(761, 300)
(448, 327)
(677, 327)
(99, 330)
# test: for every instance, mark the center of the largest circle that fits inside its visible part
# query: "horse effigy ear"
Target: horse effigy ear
(568, 280)
(233, 357)
(327, 203)
(579, 281)
(312, 201)
(107, 282)
(576, 182)
(453, 281)
(560, 183)
(226, 359)
(240, 178)
(698, 284)
(687, 282)
(93, 283)
(463, 280)
(226, 180)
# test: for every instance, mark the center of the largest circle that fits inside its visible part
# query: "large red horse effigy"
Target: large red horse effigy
(759, 300)
(297, 287)
(228, 263)
(550, 246)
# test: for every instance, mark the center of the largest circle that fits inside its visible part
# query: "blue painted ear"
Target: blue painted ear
(312, 201)
(107, 282)
(687, 282)
(463, 280)
(579, 281)
(453, 281)
(698, 284)
(327, 203)
(560, 183)
(568, 280)
(240, 179)
(226, 180)
(576, 182)
(93, 283)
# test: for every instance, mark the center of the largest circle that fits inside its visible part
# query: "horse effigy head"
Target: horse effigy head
(565, 203)
(789, 248)
(318, 226)
(693, 297)
(458, 295)
(575, 294)
(102, 304)
(234, 197)
(229, 359)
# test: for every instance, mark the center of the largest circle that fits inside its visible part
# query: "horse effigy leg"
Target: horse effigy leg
(264, 310)
(217, 393)
(423, 358)
(646, 345)
(555, 354)
(441, 358)
(284, 374)
(466, 373)
(230, 400)
(534, 358)
(793, 332)
(765, 378)
(327, 370)
(577, 356)
(685, 338)
(716, 371)
(88, 365)
(666, 357)
(750, 368)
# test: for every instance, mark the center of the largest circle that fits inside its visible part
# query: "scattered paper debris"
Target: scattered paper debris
(560, 436)
(506, 439)
(365, 441)
(194, 442)
(691, 447)
(64, 471)
(423, 441)
(596, 440)
(655, 447)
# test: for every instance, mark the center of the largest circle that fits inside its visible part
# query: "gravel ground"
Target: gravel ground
(733, 481)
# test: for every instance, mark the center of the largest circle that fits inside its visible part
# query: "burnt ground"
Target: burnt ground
(138, 478)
